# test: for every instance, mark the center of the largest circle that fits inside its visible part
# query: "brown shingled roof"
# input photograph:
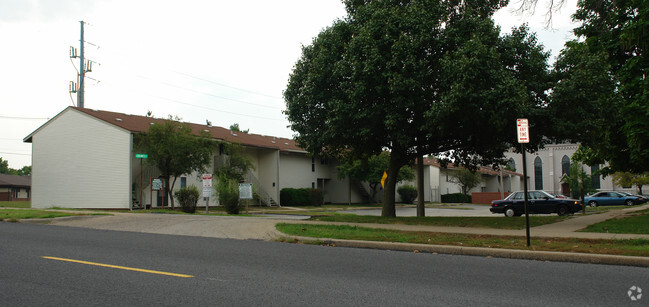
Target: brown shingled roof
(481, 169)
(140, 124)
(15, 181)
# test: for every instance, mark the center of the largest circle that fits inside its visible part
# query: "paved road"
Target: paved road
(253, 272)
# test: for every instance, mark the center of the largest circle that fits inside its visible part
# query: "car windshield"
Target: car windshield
(530, 195)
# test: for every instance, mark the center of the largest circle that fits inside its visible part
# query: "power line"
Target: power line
(15, 153)
(27, 118)
(209, 94)
(208, 108)
(109, 50)
(225, 85)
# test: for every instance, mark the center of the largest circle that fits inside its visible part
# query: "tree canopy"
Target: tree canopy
(5, 169)
(605, 76)
(417, 77)
(175, 150)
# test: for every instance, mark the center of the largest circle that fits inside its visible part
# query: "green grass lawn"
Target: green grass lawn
(637, 223)
(637, 247)
(13, 215)
(15, 204)
(499, 222)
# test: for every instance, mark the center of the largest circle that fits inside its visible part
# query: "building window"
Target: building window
(538, 174)
(596, 183)
(511, 165)
(313, 185)
(565, 165)
(183, 182)
(313, 164)
(324, 161)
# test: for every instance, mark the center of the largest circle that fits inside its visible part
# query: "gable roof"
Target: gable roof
(140, 124)
(15, 181)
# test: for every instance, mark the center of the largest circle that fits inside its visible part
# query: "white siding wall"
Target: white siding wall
(81, 162)
(295, 171)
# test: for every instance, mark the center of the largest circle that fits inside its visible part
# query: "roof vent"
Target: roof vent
(152, 123)
(118, 119)
(206, 130)
(234, 134)
(285, 143)
(273, 142)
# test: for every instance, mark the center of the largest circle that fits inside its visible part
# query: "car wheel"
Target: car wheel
(629, 202)
(509, 212)
(563, 210)
(592, 203)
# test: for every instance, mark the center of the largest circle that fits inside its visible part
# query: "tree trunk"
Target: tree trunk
(389, 190)
(166, 190)
(582, 196)
(421, 206)
(171, 197)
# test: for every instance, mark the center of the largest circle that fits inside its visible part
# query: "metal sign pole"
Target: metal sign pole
(523, 131)
(207, 205)
(527, 215)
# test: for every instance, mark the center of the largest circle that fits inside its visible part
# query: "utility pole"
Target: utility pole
(84, 67)
(82, 71)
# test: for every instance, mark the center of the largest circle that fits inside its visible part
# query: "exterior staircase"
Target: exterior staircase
(364, 193)
(264, 197)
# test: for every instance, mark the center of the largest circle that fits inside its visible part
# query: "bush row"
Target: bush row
(456, 198)
(300, 197)
(408, 193)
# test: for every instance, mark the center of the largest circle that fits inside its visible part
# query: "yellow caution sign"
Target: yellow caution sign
(385, 176)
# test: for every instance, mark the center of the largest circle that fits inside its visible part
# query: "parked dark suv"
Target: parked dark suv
(538, 202)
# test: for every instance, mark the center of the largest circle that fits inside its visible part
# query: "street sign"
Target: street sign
(207, 192)
(523, 130)
(207, 180)
(156, 184)
(245, 190)
(141, 156)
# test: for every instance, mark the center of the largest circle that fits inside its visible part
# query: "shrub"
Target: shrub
(300, 197)
(228, 193)
(408, 193)
(456, 198)
(188, 197)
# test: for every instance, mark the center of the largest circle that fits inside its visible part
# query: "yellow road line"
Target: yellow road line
(118, 267)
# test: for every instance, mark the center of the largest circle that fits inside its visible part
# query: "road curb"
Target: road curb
(489, 252)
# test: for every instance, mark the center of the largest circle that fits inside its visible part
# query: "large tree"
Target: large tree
(606, 74)
(416, 77)
(175, 150)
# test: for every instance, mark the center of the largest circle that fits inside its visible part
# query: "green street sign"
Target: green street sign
(141, 156)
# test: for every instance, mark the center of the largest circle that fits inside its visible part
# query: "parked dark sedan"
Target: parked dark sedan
(613, 199)
(538, 202)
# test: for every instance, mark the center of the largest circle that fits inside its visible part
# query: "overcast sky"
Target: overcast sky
(223, 61)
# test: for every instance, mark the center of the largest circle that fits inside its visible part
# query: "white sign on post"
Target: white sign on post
(523, 130)
(207, 180)
(245, 190)
(207, 192)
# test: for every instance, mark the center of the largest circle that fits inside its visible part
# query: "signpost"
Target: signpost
(245, 192)
(156, 185)
(207, 190)
(523, 131)
(141, 157)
